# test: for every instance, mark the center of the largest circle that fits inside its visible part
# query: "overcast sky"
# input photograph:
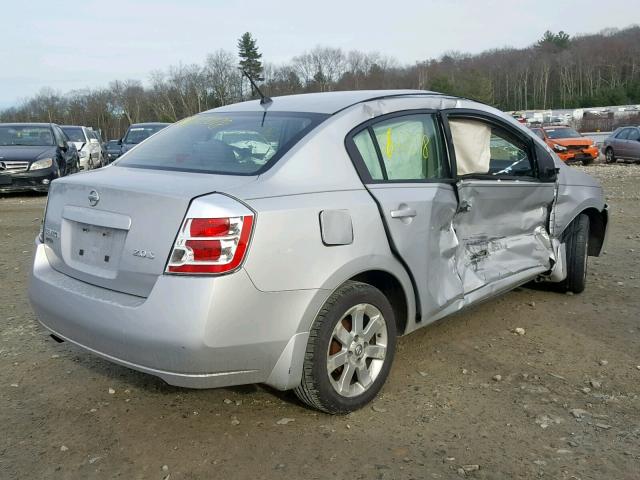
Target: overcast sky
(68, 45)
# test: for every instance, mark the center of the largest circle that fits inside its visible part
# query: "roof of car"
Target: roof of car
(142, 124)
(75, 126)
(324, 102)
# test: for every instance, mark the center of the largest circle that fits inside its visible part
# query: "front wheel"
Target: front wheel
(609, 157)
(577, 244)
(350, 350)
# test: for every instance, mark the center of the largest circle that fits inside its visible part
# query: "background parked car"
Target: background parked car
(33, 154)
(88, 145)
(139, 132)
(112, 150)
(624, 144)
(568, 144)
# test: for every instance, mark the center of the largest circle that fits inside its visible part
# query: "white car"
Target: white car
(86, 141)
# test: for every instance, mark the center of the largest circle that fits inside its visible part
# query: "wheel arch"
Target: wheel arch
(598, 220)
(391, 287)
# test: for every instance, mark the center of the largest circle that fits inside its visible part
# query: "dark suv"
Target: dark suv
(138, 132)
(33, 154)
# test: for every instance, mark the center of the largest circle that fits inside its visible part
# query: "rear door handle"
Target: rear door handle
(403, 213)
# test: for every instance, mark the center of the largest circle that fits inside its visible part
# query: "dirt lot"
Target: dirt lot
(566, 404)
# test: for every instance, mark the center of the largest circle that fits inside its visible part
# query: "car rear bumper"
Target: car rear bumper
(191, 332)
(37, 180)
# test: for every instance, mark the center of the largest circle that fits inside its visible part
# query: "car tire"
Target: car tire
(609, 156)
(75, 168)
(347, 361)
(588, 161)
(577, 245)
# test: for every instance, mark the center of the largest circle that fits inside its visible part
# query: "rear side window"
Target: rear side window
(403, 148)
(244, 143)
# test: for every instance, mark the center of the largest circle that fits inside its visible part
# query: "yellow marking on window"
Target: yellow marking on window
(389, 145)
(425, 147)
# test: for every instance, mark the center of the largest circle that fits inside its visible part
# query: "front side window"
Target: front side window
(623, 134)
(403, 148)
(483, 148)
(634, 134)
(239, 143)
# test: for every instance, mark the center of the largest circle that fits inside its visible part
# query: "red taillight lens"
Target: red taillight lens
(209, 227)
(205, 250)
(210, 245)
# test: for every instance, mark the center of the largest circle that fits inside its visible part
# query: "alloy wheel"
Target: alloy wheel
(357, 350)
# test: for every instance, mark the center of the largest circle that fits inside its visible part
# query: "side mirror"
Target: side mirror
(119, 141)
(64, 146)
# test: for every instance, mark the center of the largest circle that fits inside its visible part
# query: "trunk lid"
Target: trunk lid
(115, 227)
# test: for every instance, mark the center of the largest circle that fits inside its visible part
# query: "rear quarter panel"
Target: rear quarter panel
(287, 251)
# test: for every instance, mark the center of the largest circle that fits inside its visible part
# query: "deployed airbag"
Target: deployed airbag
(471, 140)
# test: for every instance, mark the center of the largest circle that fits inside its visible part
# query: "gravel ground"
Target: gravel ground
(467, 397)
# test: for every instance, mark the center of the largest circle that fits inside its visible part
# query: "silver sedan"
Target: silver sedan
(290, 241)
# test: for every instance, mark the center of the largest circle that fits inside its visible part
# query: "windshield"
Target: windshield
(139, 133)
(226, 143)
(25, 136)
(75, 134)
(562, 133)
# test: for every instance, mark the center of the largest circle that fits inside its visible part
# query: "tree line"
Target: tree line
(558, 71)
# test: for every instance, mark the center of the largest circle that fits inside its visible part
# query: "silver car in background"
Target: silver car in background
(622, 144)
(295, 256)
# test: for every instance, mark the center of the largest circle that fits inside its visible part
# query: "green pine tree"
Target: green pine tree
(249, 56)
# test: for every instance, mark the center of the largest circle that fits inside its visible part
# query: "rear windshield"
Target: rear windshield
(138, 133)
(227, 143)
(75, 134)
(562, 133)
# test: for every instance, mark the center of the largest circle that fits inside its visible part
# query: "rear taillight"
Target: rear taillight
(210, 245)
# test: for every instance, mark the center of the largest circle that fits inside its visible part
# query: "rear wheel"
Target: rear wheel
(350, 350)
(577, 244)
(609, 157)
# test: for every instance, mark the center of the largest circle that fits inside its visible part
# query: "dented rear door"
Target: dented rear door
(401, 159)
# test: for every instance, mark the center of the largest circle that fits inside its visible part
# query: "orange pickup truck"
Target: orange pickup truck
(568, 144)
